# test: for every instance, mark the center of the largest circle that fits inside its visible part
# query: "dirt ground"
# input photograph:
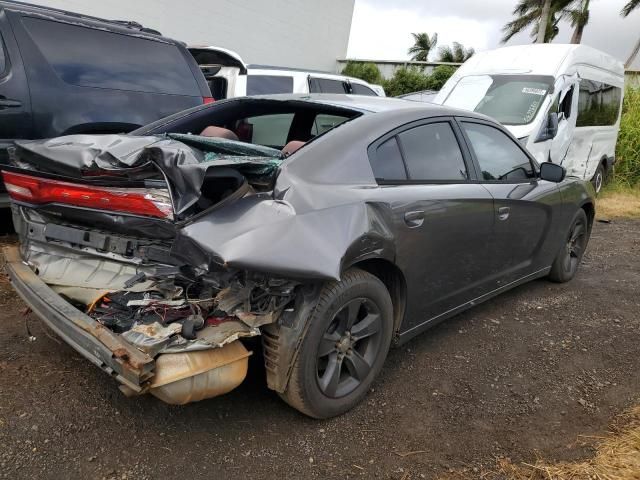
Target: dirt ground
(539, 371)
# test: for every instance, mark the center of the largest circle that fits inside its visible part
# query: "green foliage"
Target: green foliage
(627, 169)
(455, 53)
(368, 72)
(422, 46)
(440, 76)
(528, 13)
(413, 79)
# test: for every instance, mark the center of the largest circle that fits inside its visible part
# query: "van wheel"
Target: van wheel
(599, 178)
(344, 348)
(565, 265)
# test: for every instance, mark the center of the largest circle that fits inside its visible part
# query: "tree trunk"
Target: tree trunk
(544, 21)
(584, 18)
(577, 34)
(633, 55)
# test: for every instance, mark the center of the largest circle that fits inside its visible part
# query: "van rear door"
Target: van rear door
(222, 70)
(15, 105)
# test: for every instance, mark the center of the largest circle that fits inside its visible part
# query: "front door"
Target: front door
(525, 208)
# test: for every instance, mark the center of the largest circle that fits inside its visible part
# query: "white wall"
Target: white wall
(292, 33)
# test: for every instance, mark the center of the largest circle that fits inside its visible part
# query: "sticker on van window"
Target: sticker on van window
(534, 91)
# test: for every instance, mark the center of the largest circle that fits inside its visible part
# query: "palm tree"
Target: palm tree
(455, 54)
(422, 46)
(579, 17)
(532, 12)
(626, 10)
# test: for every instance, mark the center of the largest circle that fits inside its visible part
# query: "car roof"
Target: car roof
(372, 104)
(118, 26)
(539, 59)
(253, 69)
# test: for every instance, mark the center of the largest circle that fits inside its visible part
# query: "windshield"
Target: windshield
(509, 99)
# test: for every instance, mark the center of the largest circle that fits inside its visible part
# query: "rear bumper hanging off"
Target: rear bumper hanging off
(92, 340)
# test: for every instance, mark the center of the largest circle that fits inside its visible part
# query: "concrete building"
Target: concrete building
(311, 34)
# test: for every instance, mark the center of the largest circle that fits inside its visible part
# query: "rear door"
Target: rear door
(15, 104)
(15, 111)
(526, 210)
(443, 217)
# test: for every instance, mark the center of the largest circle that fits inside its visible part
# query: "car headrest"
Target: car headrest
(219, 132)
(292, 147)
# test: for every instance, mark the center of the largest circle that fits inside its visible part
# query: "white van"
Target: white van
(563, 102)
(228, 76)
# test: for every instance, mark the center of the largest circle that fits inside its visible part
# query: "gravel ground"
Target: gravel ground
(535, 372)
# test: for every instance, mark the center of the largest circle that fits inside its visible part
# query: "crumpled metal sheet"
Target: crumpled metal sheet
(65, 267)
(315, 220)
(185, 167)
(152, 338)
(211, 337)
(268, 235)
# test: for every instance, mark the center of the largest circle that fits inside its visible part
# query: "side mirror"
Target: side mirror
(552, 172)
(550, 130)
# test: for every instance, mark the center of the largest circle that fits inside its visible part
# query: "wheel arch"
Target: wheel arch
(590, 209)
(393, 278)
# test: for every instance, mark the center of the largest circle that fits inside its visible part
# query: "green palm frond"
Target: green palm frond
(423, 45)
(629, 7)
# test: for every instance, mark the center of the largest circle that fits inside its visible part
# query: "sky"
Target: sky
(381, 29)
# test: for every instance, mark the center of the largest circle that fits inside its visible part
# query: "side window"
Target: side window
(3, 58)
(565, 105)
(89, 57)
(358, 89)
(598, 104)
(499, 157)
(268, 84)
(431, 152)
(387, 162)
(323, 123)
(326, 85)
(270, 130)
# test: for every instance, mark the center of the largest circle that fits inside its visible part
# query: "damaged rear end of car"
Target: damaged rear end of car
(116, 254)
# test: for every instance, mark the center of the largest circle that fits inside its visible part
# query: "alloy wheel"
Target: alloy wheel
(349, 347)
(575, 245)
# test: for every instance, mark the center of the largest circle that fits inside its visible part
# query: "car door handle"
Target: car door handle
(5, 103)
(414, 219)
(503, 213)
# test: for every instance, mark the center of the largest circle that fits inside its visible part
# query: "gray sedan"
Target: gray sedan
(328, 226)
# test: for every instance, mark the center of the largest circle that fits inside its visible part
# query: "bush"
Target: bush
(440, 75)
(368, 72)
(413, 79)
(627, 169)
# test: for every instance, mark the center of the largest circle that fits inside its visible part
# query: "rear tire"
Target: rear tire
(344, 348)
(599, 178)
(566, 264)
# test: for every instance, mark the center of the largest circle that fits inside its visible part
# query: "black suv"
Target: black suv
(64, 73)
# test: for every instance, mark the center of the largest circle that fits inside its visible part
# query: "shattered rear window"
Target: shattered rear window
(253, 161)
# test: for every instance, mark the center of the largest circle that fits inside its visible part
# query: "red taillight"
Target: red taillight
(207, 100)
(137, 201)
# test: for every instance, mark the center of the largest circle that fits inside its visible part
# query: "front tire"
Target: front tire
(566, 264)
(344, 348)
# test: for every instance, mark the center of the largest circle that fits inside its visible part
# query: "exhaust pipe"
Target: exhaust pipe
(193, 376)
